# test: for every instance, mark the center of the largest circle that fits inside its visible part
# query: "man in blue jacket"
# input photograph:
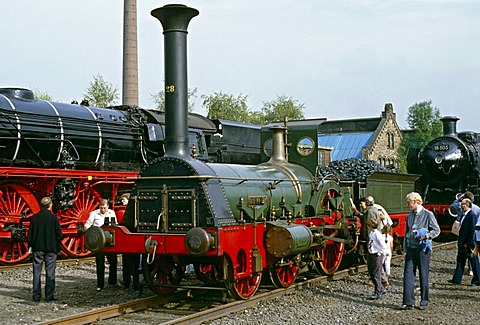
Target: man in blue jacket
(44, 238)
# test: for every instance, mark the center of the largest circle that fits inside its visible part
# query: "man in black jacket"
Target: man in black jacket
(44, 238)
(466, 244)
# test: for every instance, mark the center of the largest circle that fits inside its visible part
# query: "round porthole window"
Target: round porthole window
(267, 147)
(305, 146)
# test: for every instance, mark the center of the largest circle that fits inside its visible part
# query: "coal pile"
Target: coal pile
(353, 169)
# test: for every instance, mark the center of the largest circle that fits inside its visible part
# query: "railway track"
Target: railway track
(26, 265)
(190, 306)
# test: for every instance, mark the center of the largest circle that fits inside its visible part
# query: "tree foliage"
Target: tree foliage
(159, 99)
(42, 95)
(424, 121)
(101, 93)
(282, 107)
(227, 107)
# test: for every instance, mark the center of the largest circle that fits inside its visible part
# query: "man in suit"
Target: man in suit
(44, 238)
(466, 244)
(415, 257)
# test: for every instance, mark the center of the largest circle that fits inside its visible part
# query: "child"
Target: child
(387, 231)
(376, 248)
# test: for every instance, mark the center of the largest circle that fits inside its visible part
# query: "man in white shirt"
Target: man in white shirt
(103, 215)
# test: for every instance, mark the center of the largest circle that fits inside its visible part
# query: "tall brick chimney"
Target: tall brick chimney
(130, 56)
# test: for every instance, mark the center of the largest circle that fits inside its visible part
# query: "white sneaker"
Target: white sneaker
(470, 273)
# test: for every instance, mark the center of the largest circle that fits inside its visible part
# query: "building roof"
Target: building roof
(345, 145)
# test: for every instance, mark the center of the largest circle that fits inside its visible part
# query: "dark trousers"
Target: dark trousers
(112, 268)
(50, 260)
(416, 259)
(131, 263)
(375, 266)
(462, 257)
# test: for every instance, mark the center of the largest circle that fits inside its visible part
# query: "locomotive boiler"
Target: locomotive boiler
(449, 164)
(234, 223)
(77, 155)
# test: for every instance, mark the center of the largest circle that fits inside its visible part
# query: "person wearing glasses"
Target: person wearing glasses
(466, 245)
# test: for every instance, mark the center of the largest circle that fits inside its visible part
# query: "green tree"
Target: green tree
(227, 107)
(101, 93)
(282, 107)
(42, 95)
(424, 121)
(159, 99)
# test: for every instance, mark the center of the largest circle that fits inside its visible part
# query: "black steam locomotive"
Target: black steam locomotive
(449, 164)
(79, 154)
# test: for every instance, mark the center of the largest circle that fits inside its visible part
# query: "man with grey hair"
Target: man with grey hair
(44, 236)
(415, 257)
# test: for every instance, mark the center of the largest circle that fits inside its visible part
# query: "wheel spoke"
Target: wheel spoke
(86, 201)
(162, 271)
(15, 200)
(284, 274)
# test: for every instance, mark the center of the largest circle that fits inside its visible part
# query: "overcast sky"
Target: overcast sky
(341, 59)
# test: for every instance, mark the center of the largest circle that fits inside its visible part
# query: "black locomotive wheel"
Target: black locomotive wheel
(207, 273)
(86, 201)
(16, 201)
(285, 273)
(241, 288)
(161, 273)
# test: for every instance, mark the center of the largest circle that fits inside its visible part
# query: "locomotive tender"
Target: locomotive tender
(449, 164)
(234, 223)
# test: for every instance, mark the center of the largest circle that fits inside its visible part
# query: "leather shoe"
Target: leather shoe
(51, 299)
(407, 307)
(453, 282)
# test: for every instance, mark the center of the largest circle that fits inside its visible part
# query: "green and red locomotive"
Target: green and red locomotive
(234, 223)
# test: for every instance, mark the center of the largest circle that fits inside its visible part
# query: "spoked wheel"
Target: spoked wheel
(207, 273)
(332, 254)
(163, 271)
(74, 245)
(284, 273)
(15, 200)
(245, 287)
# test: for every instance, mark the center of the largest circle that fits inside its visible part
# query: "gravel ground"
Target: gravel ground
(74, 291)
(340, 302)
(346, 301)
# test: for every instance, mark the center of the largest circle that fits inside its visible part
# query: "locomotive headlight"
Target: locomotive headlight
(198, 241)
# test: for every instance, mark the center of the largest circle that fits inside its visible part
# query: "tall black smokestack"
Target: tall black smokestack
(175, 19)
(449, 125)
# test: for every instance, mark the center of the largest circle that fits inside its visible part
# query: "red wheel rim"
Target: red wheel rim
(162, 271)
(284, 275)
(332, 254)
(86, 202)
(15, 199)
(245, 287)
(207, 273)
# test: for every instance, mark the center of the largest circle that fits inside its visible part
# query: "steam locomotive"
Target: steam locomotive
(79, 154)
(235, 223)
(449, 164)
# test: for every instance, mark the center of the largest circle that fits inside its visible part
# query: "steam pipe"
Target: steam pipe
(175, 19)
